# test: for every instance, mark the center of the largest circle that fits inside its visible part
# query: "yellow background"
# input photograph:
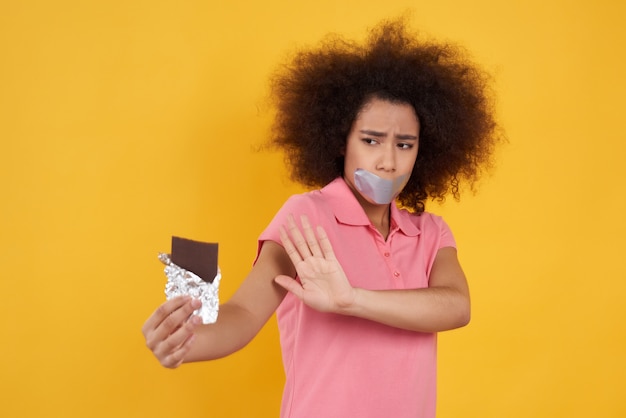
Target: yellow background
(125, 122)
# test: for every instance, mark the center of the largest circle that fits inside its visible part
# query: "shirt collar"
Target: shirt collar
(348, 211)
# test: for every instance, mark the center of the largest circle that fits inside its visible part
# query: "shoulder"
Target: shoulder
(304, 201)
(430, 219)
(311, 204)
(331, 198)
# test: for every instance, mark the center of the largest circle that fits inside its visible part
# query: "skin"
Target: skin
(384, 139)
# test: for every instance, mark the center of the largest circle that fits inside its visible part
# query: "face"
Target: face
(384, 140)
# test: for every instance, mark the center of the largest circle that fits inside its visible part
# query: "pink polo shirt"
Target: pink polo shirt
(341, 366)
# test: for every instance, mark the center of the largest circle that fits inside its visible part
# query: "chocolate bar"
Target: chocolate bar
(200, 258)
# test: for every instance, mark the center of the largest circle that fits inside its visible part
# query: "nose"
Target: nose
(387, 159)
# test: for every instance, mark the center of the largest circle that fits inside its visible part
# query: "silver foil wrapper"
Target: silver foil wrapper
(182, 282)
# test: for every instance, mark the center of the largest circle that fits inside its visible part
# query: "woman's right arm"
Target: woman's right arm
(176, 337)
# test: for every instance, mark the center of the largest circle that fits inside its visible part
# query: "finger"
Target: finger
(163, 312)
(292, 252)
(297, 238)
(170, 324)
(179, 317)
(177, 340)
(326, 246)
(311, 239)
(176, 358)
(290, 285)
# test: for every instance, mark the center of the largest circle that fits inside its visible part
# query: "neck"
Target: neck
(380, 220)
(379, 215)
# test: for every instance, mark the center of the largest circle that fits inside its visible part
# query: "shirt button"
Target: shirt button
(396, 274)
(386, 254)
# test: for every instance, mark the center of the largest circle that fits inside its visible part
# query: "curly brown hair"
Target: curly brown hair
(320, 91)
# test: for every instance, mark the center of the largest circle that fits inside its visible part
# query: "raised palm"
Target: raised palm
(322, 284)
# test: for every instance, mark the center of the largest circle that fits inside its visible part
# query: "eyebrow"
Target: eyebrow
(382, 134)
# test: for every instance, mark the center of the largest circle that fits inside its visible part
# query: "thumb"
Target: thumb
(290, 284)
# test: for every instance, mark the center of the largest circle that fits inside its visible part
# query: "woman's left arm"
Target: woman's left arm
(323, 285)
(442, 306)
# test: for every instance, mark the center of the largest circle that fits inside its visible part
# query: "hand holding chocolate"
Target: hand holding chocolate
(192, 270)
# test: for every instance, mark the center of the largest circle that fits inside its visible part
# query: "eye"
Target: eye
(369, 141)
(405, 145)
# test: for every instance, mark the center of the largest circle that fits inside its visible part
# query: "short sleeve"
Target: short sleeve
(446, 236)
(296, 205)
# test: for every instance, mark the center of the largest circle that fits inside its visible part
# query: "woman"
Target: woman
(360, 286)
